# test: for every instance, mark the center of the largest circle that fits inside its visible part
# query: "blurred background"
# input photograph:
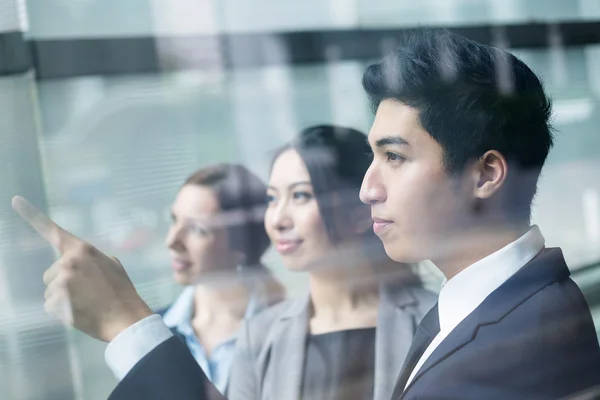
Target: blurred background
(106, 106)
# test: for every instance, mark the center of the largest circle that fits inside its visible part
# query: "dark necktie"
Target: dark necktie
(426, 332)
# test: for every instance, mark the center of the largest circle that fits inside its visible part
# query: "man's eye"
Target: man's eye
(393, 156)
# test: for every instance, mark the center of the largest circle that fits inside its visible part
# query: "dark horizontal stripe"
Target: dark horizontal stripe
(591, 291)
(584, 269)
(14, 57)
(113, 56)
(77, 57)
(592, 296)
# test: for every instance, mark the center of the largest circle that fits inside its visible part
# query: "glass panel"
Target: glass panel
(393, 13)
(106, 155)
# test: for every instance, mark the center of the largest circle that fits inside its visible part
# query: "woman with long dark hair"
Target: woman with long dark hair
(348, 336)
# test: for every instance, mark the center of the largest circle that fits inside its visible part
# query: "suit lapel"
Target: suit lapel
(396, 325)
(426, 331)
(546, 268)
(459, 337)
(288, 348)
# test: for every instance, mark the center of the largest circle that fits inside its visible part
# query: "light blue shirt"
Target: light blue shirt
(217, 366)
(137, 341)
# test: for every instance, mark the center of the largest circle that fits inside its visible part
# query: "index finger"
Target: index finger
(48, 229)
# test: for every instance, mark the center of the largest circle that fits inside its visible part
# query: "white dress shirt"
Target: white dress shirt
(463, 293)
(131, 345)
(134, 343)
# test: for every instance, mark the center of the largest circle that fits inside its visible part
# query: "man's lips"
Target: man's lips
(380, 225)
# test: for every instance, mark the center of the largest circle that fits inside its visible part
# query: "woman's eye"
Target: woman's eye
(302, 196)
(270, 198)
(198, 230)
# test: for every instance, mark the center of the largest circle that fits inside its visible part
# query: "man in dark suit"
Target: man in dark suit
(459, 139)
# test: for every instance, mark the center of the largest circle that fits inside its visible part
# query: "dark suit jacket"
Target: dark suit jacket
(210, 391)
(168, 372)
(532, 338)
(269, 359)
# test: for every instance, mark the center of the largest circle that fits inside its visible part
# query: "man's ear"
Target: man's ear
(491, 172)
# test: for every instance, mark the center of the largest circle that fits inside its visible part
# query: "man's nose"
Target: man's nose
(372, 191)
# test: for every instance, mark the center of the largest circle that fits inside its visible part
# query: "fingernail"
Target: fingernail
(18, 202)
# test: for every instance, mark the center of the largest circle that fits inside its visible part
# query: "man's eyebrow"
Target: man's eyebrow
(391, 140)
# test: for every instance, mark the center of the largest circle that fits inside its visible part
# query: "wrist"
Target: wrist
(126, 320)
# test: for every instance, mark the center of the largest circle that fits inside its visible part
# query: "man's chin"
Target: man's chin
(398, 253)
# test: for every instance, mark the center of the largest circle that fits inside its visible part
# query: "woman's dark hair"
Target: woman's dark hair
(337, 159)
(241, 197)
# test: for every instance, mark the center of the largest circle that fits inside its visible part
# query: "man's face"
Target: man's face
(418, 208)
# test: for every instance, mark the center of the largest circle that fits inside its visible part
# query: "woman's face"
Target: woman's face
(198, 245)
(292, 220)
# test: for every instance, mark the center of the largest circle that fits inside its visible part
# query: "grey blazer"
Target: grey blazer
(269, 359)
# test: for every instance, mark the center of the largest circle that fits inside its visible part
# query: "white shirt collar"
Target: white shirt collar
(181, 309)
(463, 293)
